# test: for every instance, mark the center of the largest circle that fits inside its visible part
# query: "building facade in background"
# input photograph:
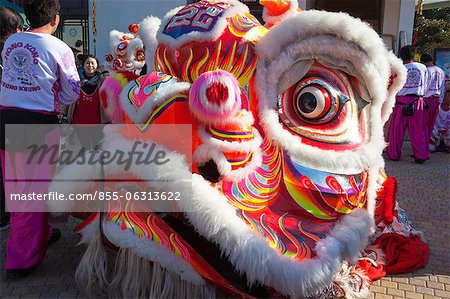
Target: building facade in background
(86, 24)
(74, 26)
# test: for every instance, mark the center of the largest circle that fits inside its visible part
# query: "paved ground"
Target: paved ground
(423, 193)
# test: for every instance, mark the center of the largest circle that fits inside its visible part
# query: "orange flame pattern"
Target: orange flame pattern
(238, 59)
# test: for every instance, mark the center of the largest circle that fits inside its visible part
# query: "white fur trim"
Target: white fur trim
(141, 115)
(215, 33)
(245, 118)
(372, 187)
(273, 20)
(204, 153)
(133, 44)
(322, 34)
(67, 182)
(88, 232)
(147, 32)
(399, 71)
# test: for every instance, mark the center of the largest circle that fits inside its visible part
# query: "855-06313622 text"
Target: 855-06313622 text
(99, 195)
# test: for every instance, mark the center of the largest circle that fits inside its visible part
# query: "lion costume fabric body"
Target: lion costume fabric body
(287, 175)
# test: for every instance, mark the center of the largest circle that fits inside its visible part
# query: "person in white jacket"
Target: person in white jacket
(39, 75)
(440, 136)
(409, 111)
(434, 94)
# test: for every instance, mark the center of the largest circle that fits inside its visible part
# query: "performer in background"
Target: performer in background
(39, 75)
(440, 136)
(435, 91)
(409, 112)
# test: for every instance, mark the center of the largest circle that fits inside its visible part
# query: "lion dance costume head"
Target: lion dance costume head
(287, 136)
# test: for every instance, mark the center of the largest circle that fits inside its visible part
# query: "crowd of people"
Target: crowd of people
(418, 104)
(40, 82)
(55, 87)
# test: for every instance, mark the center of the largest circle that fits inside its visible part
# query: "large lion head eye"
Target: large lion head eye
(316, 102)
(313, 102)
(324, 107)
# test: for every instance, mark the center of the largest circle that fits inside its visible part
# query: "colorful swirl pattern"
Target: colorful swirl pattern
(292, 206)
(239, 25)
(231, 135)
(322, 194)
(145, 87)
(160, 110)
(256, 190)
(298, 238)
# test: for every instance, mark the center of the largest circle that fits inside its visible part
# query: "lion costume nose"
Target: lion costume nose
(215, 97)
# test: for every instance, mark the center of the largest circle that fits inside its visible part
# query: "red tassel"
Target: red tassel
(387, 195)
(372, 272)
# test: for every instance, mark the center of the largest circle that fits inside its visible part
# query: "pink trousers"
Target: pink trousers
(432, 113)
(29, 232)
(417, 129)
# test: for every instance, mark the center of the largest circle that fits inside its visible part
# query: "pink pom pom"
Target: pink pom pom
(215, 97)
